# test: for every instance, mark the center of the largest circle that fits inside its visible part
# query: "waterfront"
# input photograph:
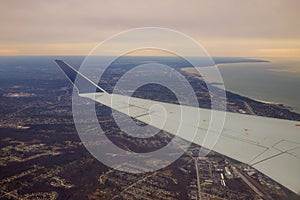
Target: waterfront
(277, 81)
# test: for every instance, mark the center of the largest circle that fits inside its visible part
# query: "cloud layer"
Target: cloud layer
(33, 26)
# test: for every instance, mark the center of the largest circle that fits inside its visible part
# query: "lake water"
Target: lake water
(277, 81)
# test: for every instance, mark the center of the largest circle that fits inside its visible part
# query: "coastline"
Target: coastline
(282, 105)
(192, 72)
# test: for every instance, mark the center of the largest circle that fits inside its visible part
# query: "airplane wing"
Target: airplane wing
(272, 146)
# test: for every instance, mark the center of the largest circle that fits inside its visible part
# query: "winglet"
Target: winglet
(82, 83)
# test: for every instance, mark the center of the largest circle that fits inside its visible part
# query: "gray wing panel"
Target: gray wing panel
(270, 145)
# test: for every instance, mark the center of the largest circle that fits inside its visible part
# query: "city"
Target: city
(42, 156)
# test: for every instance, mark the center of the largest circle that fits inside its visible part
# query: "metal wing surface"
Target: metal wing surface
(272, 146)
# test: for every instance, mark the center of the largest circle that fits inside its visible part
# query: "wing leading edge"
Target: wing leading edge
(272, 146)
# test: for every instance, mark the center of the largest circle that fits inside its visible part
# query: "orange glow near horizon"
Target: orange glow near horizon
(8, 51)
(216, 48)
(226, 28)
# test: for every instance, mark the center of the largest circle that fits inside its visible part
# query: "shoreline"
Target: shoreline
(191, 71)
(282, 105)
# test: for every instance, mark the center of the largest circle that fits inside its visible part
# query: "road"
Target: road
(134, 184)
(245, 179)
(249, 108)
(198, 179)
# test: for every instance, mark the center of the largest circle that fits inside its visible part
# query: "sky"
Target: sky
(229, 28)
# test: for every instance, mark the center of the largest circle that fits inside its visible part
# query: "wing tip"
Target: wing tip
(83, 85)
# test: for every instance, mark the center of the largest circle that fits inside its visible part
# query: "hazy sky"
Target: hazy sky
(253, 28)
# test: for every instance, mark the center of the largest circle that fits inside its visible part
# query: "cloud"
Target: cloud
(74, 21)
(280, 52)
(8, 51)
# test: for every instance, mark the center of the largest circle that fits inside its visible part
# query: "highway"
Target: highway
(249, 108)
(198, 179)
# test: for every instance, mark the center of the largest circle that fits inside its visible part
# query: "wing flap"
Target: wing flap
(283, 168)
